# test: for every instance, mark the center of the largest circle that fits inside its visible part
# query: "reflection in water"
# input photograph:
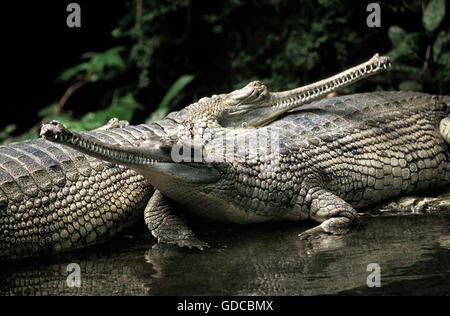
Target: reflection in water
(412, 251)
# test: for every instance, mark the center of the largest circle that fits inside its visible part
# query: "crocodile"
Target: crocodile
(53, 198)
(331, 158)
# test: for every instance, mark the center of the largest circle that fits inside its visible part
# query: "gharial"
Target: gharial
(330, 157)
(53, 198)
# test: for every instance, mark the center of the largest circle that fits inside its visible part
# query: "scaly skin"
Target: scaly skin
(55, 199)
(335, 156)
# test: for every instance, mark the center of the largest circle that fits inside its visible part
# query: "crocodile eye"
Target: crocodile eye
(254, 92)
(241, 94)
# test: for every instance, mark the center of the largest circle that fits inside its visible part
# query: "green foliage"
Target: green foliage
(99, 66)
(410, 86)
(441, 41)
(123, 108)
(6, 132)
(163, 108)
(226, 44)
(420, 58)
(433, 15)
(145, 34)
(47, 110)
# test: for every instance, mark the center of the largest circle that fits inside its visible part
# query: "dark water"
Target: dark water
(413, 253)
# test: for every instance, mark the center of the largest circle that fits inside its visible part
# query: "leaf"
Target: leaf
(96, 65)
(109, 58)
(433, 15)
(45, 111)
(440, 41)
(158, 114)
(444, 60)
(163, 107)
(129, 102)
(407, 49)
(6, 132)
(406, 70)
(94, 120)
(73, 72)
(175, 89)
(410, 86)
(123, 109)
(397, 35)
(116, 33)
(400, 51)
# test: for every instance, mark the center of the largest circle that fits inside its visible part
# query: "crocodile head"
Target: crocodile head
(254, 105)
(151, 154)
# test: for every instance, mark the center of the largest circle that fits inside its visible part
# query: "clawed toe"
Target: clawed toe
(191, 243)
(309, 233)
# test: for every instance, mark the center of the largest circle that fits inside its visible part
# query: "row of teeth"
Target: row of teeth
(120, 156)
(308, 95)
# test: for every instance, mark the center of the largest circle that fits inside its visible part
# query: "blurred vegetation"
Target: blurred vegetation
(422, 56)
(171, 53)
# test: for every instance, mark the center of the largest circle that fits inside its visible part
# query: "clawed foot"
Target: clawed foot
(166, 226)
(312, 232)
(191, 242)
(335, 226)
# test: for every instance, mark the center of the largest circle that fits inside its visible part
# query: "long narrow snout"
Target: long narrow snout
(260, 113)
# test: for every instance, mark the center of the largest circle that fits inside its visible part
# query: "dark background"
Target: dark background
(38, 46)
(224, 44)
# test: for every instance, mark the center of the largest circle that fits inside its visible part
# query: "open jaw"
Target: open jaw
(152, 159)
(270, 105)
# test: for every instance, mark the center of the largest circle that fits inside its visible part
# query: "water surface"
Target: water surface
(413, 253)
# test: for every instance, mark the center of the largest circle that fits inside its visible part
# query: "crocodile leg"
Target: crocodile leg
(336, 215)
(168, 227)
